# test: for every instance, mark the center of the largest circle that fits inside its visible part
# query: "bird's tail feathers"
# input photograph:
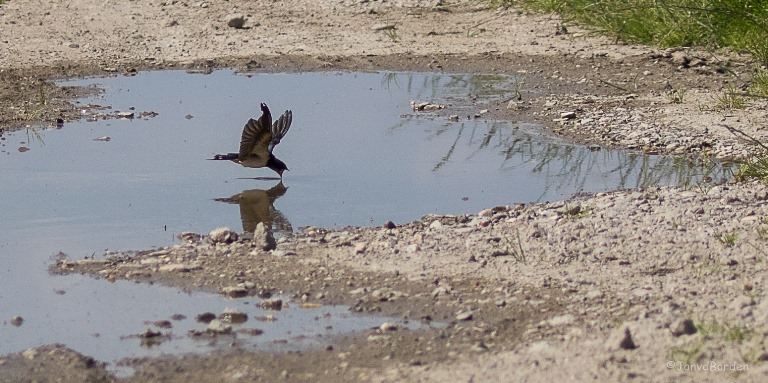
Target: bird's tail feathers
(228, 156)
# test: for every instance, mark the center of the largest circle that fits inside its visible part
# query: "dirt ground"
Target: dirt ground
(655, 285)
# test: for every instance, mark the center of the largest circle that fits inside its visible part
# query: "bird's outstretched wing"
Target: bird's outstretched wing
(257, 138)
(280, 128)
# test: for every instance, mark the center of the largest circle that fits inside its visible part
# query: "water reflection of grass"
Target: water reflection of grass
(430, 87)
(569, 166)
(563, 165)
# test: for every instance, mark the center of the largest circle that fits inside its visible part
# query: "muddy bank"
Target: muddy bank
(560, 284)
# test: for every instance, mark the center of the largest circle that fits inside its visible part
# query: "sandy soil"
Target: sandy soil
(646, 285)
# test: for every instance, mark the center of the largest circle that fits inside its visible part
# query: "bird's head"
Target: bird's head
(278, 166)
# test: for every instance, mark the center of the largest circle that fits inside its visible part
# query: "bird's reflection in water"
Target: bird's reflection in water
(256, 206)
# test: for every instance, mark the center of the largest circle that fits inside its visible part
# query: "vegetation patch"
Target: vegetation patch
(737, 24)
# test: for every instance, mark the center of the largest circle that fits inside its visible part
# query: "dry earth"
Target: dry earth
(647, 285)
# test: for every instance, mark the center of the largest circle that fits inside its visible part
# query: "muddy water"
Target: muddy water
(357, 153)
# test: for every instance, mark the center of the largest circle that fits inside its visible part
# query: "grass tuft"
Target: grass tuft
(741, 25)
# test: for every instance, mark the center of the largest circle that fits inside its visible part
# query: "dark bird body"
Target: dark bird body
(259, 139)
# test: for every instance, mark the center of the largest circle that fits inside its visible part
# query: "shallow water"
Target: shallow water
(358, 156)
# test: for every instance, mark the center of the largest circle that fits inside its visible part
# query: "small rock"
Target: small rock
(625, 341)
(412, 248)
(384, 27)
(29, 354)
(125, 115)
(436, 224)
(388, 327)
(271, 304)
(190, 236)
(232, 315)
(377, 338)
(561, 320)
(389, 225)
(567, 115)
(205, 317)
(235, 21)
(222, 235)
(683, 327)
(479, 347)
(360, 247)
(149, 334)
(17, 320)
(464, 315)
(263, 237)
(218, 327)
(234, 291)
(163, 323)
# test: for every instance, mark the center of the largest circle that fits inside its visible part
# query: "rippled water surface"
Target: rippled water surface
(357, 153)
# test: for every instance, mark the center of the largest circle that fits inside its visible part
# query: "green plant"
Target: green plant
(729, 239)
(712, 333)
(676, 96)
(687, 354)
(729, 333)
(518, 88)
(392, 34)
(730, 99)
(514, 249)
(759, 86)
(34, 114)
(738, 24)
(755, 167)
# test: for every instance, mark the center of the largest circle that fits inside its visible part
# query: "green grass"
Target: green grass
(676, 96)
(730, 99)
(741, 25)
(755, 167)
(393, 35)
(728, 239)
(710, 335)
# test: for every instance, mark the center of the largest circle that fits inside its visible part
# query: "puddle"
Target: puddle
(357, 153)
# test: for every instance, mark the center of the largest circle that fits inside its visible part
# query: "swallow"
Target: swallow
(259, 139)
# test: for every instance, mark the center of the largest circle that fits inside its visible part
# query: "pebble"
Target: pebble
(30, 353)
(263, 238)
(465, 315)
(233, 315)
(562, 320)
(234, 291)
(205, 317)
(682, 327)
(271, 304)
(218, 327)
(384, 27)
(223, 235)
(17, 320)
(436, 225)
(388, 327)
(236, 21)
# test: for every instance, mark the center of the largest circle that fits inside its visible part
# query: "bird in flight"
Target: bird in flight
(259, 139)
